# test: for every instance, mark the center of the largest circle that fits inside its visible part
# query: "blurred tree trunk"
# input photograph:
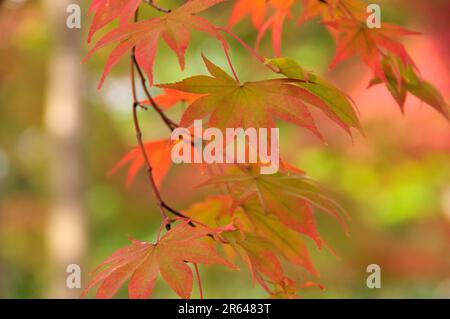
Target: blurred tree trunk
(66, 227)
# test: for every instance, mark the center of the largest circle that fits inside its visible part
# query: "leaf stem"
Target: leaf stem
(197, 273)
(252, 51)
(225, 50)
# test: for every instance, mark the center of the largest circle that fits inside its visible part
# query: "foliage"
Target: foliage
(260, 219)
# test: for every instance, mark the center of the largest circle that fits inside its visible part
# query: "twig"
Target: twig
(156, 6)
(170, 123)
(142, 147)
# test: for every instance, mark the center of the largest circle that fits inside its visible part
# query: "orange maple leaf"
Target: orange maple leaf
(143, 261)
(171, 97)
(108, 10)
(158, 153)
(174, 28)
(371, 45)
(257, 9)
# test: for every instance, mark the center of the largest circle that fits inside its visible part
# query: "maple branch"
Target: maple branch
(156, 6)
(177, 213)
(170, 123)
(142, 147)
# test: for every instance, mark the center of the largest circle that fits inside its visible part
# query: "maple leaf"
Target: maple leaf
(293, 213)
(251, 104)
(286, 241)
(355, 38)
(174, 28)
(257, 253)
(214, 211)
(332, 9)
(159, 156)
(172, 97)
(401, 79)
(275, 191)
(275, 22)
(335, 103)
(277, 208)
(250, 217)
(260, 238)
(258, 9)
(108, 10)
(143, 262)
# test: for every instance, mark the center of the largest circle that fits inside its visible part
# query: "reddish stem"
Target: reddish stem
(141, 143)
(199, 281)
(252, 51)
(225, 49)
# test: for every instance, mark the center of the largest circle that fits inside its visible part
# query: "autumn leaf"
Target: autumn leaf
(294, 213)
(107, 11)
(332, 9)
(143, 262)
(273, 190)
(257, 253)
(159, 156)
(172, 97)
(251, 104)
(257, 9)
(356, 38)
(276, 22)
(287, 242)
(400, 80)
(174, 28)
(261, 239)
(335, 103)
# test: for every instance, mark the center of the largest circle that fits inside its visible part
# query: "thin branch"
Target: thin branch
(170, 123)
(156, 6)
(177, 213)
(142, 147)
(138, 130)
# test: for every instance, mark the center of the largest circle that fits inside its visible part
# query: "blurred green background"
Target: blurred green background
(59, 136)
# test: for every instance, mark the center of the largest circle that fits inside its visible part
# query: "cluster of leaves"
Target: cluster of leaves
(346, 20)
(261, 219)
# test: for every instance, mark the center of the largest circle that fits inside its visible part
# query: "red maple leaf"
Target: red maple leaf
(143, 261)
(171, 97)
(108, 10)
(174, 28)
(159, 155)
(371, 45)
(257, 9)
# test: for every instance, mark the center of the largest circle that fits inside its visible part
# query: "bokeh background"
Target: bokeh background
(59, 136)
